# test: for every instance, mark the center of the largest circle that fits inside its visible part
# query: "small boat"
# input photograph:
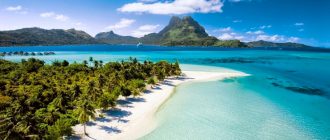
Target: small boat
(139, 44)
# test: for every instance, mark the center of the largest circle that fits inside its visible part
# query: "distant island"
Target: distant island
(179, 32)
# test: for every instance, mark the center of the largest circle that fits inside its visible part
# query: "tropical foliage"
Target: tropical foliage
(43, 101)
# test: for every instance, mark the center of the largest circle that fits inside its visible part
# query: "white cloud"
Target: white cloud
(144, 30)
(138, 33)
(255, 32)
(147, 1)
(123, 23)
(239, 37)
(58, 17)
(301, 30)
(47, 14)
(226, 36)
(235, 0)
(230, 36)
(78, 24)
(148, 27)
(174, 7)
(227, 29)
(265, 26)
(275, 38)
(293, 39)
(14, 8)
(237, 21)
(61, 17)
(238, 0)
(299, 24)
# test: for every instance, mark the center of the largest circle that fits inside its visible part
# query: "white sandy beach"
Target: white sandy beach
(134, 117)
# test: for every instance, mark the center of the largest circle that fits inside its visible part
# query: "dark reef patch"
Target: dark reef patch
(307, 90)
(228, 80)
(302, 90)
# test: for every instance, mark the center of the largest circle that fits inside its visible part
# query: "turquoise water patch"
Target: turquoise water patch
(239, 110)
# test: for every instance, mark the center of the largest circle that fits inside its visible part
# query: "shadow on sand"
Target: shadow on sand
(128, 101)
(118, 113)
(90, 123)
(110, 129)
(99, 119)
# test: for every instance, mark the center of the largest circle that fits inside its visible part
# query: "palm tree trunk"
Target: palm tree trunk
(85, 129)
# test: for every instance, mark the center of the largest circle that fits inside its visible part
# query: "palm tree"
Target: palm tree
(85, 62)
(92, 90)
(75, 91)
(101, 63)
(152, 81)
(85, 111)
(52, 114)
(177, 70)
(96, 64)
(91, 59)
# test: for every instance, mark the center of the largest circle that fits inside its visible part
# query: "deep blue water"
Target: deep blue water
(287, 95)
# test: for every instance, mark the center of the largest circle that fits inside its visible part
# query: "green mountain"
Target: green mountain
(262, 43)
(112, 38)
(38, 36)
(186, 32)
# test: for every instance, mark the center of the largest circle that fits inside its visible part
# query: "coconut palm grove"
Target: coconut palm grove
(43, 101)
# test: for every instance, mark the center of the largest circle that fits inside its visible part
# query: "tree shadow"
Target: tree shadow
(123, 102)
(73, 137)
(128, 101)
(184, 78)
(138, 99)
(117, 113)
(168, 83)
(147, 91)
(157, 88)
(122, 120)
(103, 119)
(110, 129)
(90, 123)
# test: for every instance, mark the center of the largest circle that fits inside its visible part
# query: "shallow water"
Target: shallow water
(287, 95)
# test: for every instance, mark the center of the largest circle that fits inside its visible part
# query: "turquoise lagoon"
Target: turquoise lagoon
(287, 95)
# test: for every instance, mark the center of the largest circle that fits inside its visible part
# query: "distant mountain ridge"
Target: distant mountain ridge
(112, 38)
(262, 43)
(183, 31)
(38, 36)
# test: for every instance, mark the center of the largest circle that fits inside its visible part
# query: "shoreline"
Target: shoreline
(133, 117)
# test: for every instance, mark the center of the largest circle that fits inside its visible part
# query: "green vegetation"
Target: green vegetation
(41, 101)
(230, 43)
(112, 38)
(21, 53)
(262, 43)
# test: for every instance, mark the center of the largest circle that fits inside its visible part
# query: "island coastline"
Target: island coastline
(126, 120)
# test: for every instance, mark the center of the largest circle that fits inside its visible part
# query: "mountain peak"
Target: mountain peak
(187, 18)
(183, 28)
(175, 18)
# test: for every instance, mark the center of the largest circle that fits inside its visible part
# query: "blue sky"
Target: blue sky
(304, 21)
